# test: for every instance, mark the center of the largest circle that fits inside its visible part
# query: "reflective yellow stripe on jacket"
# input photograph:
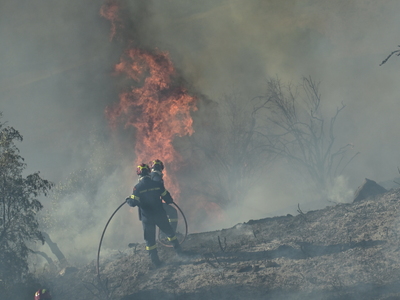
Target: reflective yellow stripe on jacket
(172, 239)
(135, 197)
(151, 247)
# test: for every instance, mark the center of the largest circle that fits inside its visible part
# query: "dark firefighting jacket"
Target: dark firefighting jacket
(147, 194)
(171, 211)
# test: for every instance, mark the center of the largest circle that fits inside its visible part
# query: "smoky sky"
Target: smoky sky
(57, 60)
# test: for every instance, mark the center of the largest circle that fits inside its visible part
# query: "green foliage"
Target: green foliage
(18, 208)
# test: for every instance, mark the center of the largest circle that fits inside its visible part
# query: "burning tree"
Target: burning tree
(18, 208)
(293, 127)
(154, 101)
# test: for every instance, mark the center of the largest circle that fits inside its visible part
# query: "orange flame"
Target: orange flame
(110, 12)
(158, 108)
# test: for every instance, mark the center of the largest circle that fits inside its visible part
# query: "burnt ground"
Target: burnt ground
(345, 251)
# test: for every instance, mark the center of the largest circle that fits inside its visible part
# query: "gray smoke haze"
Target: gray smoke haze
(55, 81)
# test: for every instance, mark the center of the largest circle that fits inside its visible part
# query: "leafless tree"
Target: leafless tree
(292, 126)
(229, 151)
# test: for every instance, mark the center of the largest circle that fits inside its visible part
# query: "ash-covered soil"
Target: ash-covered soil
(345, 251)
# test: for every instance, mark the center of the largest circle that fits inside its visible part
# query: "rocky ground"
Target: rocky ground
(345, 251)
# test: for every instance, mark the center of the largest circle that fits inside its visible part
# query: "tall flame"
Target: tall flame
(156, 106)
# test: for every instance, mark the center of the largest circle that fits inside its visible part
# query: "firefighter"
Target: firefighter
(42, 294)
(147, 195)
(156, 174)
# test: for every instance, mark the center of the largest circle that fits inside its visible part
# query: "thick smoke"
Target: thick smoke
(56, 81)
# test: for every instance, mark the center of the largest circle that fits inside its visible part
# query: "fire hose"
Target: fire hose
(186, 228)
(105, 228)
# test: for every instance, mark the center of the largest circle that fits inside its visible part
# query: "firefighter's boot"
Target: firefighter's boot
(177, 246)
(154, 258)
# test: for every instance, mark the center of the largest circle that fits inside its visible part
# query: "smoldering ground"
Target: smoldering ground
(57, 60)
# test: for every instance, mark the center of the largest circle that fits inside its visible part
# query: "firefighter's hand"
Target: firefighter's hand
(131, 202)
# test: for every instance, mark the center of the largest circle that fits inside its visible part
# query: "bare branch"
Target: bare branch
(349, 161)
(220, 245)
(397, 52)
(299, 210)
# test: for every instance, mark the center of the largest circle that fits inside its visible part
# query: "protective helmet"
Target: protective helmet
(143, 170)
(42, 294)
(157, 165)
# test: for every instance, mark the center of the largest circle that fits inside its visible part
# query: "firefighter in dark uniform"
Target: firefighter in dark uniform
(147, 195)
(156, 174)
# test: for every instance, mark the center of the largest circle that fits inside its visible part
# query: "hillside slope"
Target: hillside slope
(345, 251)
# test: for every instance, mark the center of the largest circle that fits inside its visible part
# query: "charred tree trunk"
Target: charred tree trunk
(56, 251)
(52, 265)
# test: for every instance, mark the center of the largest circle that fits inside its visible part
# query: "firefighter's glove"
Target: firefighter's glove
(169, 201)
(131, 202)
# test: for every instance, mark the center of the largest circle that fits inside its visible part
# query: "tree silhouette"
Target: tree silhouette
(18, 208)
(230, 156)
(293, 127)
